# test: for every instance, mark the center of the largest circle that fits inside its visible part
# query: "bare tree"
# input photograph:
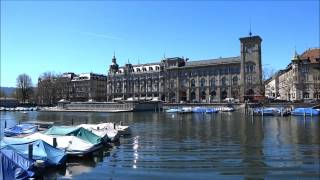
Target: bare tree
(287, 85)
(46, 89)
(267, 73)
(24, 87)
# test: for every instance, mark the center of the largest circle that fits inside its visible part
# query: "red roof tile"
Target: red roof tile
(312, 54)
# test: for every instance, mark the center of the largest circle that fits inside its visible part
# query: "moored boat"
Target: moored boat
(199, 110)
(227, 109)
(123, 130)
(40, 150)
(20, 129)
(14, 165)
(305, 112)
(174, 110)
(271, 111)
(103, 130)
(186, 110)
(79, 132)
(211, 110)
(72, 145)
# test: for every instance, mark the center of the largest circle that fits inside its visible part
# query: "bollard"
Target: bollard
(72, 121)
(30, 149)
(54, 143)
(114, 125)
(98, 128)
(5, 123)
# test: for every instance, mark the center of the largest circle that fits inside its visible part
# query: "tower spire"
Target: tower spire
(250, 33)
(114, 60)
(295, 56)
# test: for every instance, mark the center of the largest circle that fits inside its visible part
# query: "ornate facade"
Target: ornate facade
(300, 80)
(181, 80)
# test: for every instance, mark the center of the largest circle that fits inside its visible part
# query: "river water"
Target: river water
(193, 146)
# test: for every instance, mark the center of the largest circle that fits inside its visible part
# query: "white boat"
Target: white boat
(173, 110)
(70, 144)
(123, 130)
(104, 130)
(227, 109)
(186, 110)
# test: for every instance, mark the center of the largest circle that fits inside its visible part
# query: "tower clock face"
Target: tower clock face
(250, 49)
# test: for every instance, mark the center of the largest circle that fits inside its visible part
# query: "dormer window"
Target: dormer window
(144, 69)
(157, 68)
(150, 69)
(138, 69)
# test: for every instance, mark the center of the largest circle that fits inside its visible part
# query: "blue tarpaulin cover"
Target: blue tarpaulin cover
(14, 165)
(305, 111)
(20, 129)
(41, 150)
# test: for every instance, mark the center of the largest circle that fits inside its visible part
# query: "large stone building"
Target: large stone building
(180, 79)
(300, 80)
(72, 87)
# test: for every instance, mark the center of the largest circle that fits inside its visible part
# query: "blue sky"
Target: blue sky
(81, 36)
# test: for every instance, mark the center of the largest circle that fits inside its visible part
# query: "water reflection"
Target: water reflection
(197, 146)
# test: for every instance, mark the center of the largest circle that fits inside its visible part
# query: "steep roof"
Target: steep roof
(214, 61)
(312, 54)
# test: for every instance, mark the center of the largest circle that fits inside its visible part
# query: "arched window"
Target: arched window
(202, 82)
(213, 94)
(249, 79)
(192, 96)
(224, 81)
(250, 67)
(235, 80)
(224, 94)
(213, 82)
(172, 83)
(193, 83)
(184, 83)
(203, 95)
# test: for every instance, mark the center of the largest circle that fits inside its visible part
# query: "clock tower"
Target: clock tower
(251, 67)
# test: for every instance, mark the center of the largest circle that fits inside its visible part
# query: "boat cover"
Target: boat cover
(79, 132)
(199, 110)
(211, 110)
(105, 130)
(173, 110)
(71, 144)
(41, 150)
(307, 111)
(20, 129)
(14, 165)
